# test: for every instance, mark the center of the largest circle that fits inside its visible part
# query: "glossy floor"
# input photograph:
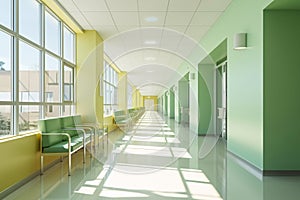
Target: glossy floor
(158, 159)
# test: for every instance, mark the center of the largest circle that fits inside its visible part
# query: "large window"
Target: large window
(52, 79)
(42, 73)
(5, 67)
(6, 13)
(29, 73)
(68, 83)
(110, 83)
(52, 33)
(129, 95)
(69, 45)
(30, 20)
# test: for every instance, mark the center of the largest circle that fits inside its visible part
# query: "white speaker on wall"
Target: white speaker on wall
(240, 41)
(192, 76)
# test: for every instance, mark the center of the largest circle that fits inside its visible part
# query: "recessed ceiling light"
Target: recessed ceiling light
(151, 19)
(149, 71)
(150, 42)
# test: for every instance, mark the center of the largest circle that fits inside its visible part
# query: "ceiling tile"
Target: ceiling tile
(126, 18)
(186, 46)
(68, 5)
(81, 20)
(122, 5)
(124, 28)
(99, 18)
(180, 5)
(170, 40)
(114, 47)
(205, 18)
(154, 33)
(180, 29)
(178, 18)
(213, 5)
(106, 31)
(197, 32)
(153, 5)
(91, 5)
(152, 18)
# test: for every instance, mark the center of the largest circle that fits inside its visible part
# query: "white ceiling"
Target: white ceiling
(140, 35)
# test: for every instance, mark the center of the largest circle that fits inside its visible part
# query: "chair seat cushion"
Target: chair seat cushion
(76, 142)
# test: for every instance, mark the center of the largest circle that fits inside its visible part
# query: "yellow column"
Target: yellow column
(89, 103)
(122, 91)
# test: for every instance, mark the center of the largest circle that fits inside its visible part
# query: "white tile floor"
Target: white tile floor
(158, 159)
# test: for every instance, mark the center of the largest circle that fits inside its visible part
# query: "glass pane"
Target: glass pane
(116, 79)
(28, 117)
(69, 49)
(29, 73)
(52, 111)
(115, 102)
(6, 13)
(52, 79)
(68, 110)
(106, 109)
(30, 20)
(68, 84)
(5, 120)
(5, 67)
(52, 33)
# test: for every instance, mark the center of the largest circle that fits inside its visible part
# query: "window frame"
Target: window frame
(109, 75)
(14, 32)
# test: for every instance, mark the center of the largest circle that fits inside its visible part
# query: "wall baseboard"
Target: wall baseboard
(281, 172)
(19, 184)
(261, 173)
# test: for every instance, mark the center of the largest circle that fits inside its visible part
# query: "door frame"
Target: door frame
(224, 92)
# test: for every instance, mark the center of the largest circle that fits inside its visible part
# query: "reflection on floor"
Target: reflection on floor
(158, 159)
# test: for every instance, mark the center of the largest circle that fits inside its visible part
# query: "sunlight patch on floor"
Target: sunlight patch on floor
(121, 194)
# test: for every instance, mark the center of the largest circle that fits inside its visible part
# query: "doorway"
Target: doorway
(149, 104)
(221, 100)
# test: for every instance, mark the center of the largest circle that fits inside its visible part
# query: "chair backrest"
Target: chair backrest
(77, 119)
(67, 121)
(50, 126)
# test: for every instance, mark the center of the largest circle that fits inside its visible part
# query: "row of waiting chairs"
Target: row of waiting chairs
(125, 119)
(63, 136)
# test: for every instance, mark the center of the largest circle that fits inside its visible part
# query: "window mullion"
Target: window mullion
(15, 69)
(42, 80)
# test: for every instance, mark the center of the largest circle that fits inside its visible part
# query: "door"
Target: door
(149, 104)
(221, 100)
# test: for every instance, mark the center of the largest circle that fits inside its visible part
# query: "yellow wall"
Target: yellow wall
(62, 15)
(109, 123)
(122, 91)
(20, 157)
(141, 100)
(151, 97)
(89, 68)
(134, 97)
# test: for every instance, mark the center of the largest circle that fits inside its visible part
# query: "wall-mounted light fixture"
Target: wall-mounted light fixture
(240, 41)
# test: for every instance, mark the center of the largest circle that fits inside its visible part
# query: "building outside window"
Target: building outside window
(39, 59)
(110, 88)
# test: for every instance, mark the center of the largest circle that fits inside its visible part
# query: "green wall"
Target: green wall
(165, 104)
(205, 98)
(183, 97)
(245, 77)
(281, 90)
(171, 104)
